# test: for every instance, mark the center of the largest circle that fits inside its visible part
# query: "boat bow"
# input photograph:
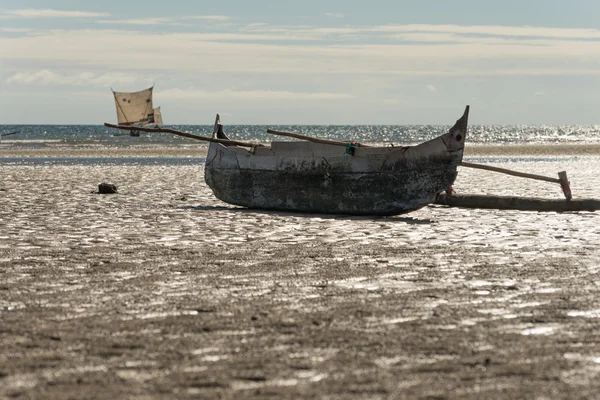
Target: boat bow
(455, 138)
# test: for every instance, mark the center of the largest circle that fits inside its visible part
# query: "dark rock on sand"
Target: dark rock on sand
(107, 188)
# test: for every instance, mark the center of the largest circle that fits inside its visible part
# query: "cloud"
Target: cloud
(165, 21)
(335, 15)
(430, 32)
(539, 93)
(15, 30)
(241, 67)
(262, 49)
(138, 21)
(263, 95)
(209, 17)
(49, 13)
(47, 77)
(495, 30)
(395, 101)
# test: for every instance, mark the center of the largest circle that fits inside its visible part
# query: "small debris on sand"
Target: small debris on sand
(107, 188)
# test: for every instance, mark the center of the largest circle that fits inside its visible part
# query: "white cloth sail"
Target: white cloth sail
(157, 116)
(136, 108)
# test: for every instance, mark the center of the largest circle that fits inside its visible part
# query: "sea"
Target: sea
(98, 137)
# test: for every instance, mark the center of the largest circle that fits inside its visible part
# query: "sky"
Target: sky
(303, 62)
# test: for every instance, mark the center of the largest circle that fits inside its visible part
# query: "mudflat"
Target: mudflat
(162, 291)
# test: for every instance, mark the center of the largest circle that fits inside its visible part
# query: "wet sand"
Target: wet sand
(162, 291)
(142, 151)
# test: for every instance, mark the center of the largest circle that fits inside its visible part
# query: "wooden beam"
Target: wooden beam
(562, 176)
(517, 203)
(312, 139)
(510, 172)
(184, 134)
(565, 184)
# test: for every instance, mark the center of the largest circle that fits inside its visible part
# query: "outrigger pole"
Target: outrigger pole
(185, 134)
(562, 180)
(312, 139)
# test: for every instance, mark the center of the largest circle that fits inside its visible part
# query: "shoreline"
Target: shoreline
(105, 152)
(159, 151)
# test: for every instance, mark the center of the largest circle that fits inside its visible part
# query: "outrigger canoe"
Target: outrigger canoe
(323, 176)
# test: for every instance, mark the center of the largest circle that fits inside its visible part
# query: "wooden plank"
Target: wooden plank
(184, 134)
(517, 203)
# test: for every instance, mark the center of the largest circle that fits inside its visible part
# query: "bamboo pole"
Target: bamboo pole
(312, 139)
(184, 134)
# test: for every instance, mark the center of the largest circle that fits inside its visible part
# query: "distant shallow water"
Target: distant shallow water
(36, 135)
(102, 161)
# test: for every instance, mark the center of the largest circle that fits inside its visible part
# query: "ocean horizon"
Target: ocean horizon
(401, 134)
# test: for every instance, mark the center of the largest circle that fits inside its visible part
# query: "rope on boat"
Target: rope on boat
(351, 147)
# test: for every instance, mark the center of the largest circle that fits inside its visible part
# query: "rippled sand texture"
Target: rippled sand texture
(161, 291)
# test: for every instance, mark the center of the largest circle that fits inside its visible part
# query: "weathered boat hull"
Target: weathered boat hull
(321, 191)
(322, 178)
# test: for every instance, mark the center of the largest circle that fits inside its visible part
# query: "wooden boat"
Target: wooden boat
(135, 109)
(324, 176)
(317, 176)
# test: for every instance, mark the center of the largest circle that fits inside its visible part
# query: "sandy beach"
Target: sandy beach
(162, 291)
